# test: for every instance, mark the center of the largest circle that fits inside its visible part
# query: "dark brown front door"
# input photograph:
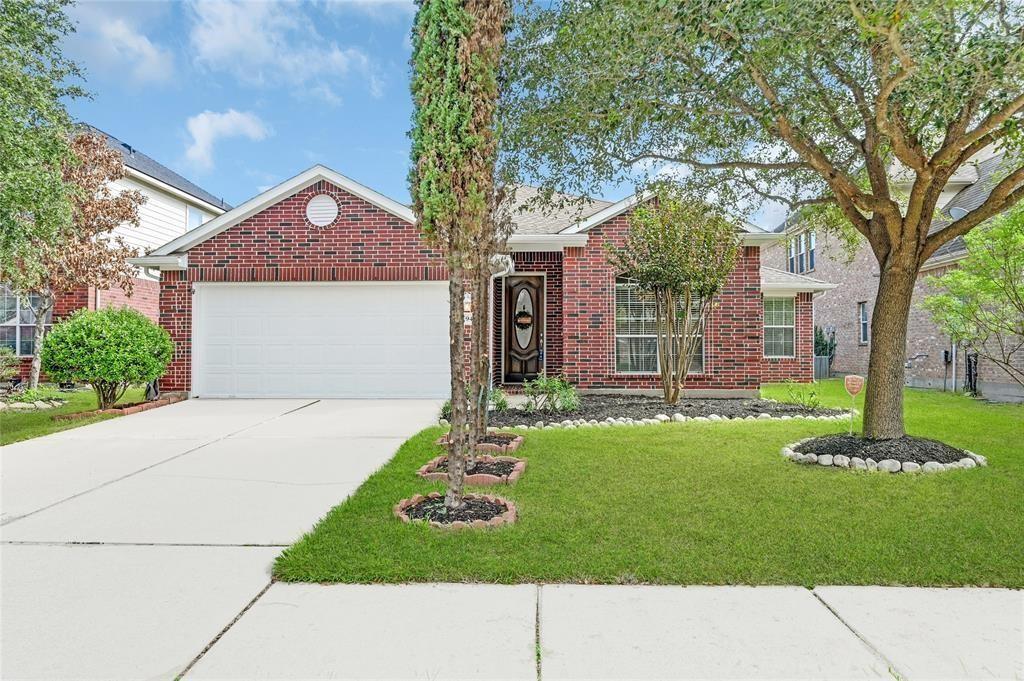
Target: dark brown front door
(524, 327)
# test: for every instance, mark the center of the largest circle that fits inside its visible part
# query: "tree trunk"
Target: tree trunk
(457, 435)
(45, 305)
(883, 400)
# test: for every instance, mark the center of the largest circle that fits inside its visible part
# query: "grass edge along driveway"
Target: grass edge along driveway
(703, 503)
(16, 426)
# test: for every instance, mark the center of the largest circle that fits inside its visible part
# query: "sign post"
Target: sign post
(853, 384)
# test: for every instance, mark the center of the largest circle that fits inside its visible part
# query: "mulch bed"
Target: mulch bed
(600, 407)
(121, 409)
(479, 511)
(488, 470)
(492, 442)
(916, 449)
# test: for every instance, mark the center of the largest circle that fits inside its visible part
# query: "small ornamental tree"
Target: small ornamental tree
(680, 252)
(109, 349)
(980, 303)
(456, 48)
(85, 253)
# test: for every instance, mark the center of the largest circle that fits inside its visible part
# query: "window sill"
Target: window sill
(645, 374)
(777, 357)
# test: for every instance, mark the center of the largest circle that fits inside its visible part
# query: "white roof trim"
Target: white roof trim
(545, 242)
(174, 191)
(164, 263)
(798, 283)
(277, 193)
(607, 214)
(759, 238)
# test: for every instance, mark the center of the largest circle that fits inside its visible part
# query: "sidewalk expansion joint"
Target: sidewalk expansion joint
(878, 653)
(7, 521)
(223, 631)
(536, 633)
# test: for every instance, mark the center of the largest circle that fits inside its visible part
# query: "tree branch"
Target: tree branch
(1005, 194)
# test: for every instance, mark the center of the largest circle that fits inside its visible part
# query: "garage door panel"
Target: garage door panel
(345, 340)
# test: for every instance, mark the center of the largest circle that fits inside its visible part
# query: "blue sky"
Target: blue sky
(239, 95)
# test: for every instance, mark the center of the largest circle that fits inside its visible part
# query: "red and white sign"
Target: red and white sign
(854, 384)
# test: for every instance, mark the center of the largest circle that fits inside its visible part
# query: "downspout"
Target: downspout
(954, 364)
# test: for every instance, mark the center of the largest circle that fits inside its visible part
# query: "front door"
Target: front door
(524, 327)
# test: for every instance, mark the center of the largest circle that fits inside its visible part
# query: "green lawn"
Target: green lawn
(703, 503)
(24, 425)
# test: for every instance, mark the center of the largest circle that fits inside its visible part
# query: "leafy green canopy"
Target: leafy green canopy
(110, 349)
(677, 245)
(813, 103)
(980, 303)
(34, 127)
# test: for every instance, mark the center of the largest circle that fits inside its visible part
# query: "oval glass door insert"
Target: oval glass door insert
(524, 319)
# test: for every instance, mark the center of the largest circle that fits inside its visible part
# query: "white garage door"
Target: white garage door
(320, 340)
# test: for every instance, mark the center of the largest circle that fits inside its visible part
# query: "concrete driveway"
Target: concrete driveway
(128, 545)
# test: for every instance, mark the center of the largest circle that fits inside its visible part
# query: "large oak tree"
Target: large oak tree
(858, 112)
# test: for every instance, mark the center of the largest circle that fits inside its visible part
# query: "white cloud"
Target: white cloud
(209, 126)
(109, 42)
(273, 44)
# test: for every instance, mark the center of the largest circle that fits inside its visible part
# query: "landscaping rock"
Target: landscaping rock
(978, 458)
(764, 416)
(824, 459)
(810, 458)
(911, 467)
(662, 417)
(21, 406)
(443, 422)
(858, 463)
(967, 462)
(933, 467)
(871, 464)
(3, 405)
(841, 461)
(889, 465)
(678, 418)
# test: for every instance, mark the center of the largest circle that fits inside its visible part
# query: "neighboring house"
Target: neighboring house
(173, 206)
(932, 360)
(322, 287)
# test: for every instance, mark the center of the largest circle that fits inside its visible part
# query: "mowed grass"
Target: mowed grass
(16, 426)
(703, 503)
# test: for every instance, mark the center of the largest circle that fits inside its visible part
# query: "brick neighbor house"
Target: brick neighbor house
(173, 206)
(322, 287)
(932, 360)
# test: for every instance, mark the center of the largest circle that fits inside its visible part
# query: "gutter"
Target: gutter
(545, 242)
(164, 263)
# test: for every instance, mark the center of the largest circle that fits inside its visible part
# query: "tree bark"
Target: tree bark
(458, 434)
(38, 333)
(883, 400)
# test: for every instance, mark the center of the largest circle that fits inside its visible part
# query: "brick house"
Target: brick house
(932, 360)
(173, 206)
(323, 287)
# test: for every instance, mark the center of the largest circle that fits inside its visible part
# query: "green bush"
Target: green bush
(499, 402)
(550, 395)
(109, 349)
(9, 363)
(806, 395)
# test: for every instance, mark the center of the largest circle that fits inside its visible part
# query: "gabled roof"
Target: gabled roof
(779, 281)
(143, 164)
(530, 218)
(277, 193)
(989, 173)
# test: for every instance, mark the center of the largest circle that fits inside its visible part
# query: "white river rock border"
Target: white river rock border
(789, 452)
(663, 418)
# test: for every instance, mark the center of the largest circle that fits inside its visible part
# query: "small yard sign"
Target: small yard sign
(854, 384)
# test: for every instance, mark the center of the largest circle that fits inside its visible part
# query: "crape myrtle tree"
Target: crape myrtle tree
(980, 303)
(680, 252)
(457, 45)
(84, 252)
(35, 80)
(858, 111)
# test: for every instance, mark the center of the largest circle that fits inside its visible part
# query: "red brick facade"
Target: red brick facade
(367, 243)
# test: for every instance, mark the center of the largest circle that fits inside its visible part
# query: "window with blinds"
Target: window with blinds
(779, 327)
(636, 332)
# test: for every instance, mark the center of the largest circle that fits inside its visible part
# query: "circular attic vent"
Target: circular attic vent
(322, 210)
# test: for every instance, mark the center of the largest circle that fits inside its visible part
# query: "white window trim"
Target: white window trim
(17, 325)
(765, 326)
(657, 357)
(812, 244)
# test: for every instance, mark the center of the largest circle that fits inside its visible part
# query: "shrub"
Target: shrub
(499, 402)
(36, 394)
(550, 394)
(9, 363)
(804, 396)
(109, 349)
